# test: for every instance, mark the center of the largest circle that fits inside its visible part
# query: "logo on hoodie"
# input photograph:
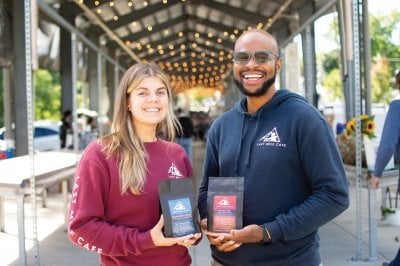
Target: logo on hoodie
(174, 172)
(271, 139)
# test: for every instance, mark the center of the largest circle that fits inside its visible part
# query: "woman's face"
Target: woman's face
(148, 103)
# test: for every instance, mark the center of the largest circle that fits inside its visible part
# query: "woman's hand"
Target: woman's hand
(374, 182)
(191, 241)
(160, 240)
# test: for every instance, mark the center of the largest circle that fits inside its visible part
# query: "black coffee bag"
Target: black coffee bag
(178, 206)
(225, 203)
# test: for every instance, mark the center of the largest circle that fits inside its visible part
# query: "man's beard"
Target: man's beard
(260, 91)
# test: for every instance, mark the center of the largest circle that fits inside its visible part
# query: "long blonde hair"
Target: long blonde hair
(123, 140)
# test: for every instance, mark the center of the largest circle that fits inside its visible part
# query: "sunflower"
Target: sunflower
(367, 126)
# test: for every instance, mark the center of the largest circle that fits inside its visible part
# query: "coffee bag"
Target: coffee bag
(225, 203)
(178, 206)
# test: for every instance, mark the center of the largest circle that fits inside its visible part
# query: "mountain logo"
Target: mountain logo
(271, 139)
(271, 136)
(179, 206)
(174, 171)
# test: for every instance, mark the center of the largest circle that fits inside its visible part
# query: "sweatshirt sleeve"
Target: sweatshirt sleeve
(87, 224)
(329, 190)
(389, 139)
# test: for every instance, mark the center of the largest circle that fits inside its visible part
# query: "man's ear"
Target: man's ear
(278, 65)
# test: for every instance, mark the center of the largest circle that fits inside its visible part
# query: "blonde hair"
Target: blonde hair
(123, 140)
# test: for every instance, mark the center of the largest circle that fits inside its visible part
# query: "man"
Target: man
(389, 145)
(294, 176)
(66, 130)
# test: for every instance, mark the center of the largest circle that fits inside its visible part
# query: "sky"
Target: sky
(382, 6)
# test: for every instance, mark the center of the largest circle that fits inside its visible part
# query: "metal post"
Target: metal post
(357, 104)
(309, 62)
(28, 9)
(367, 58)
(73, 80)
(100, 90)
(373, 236)
(21, 229)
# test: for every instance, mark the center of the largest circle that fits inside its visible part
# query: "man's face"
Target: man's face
(255, 64)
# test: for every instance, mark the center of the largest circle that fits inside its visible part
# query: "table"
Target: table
(50, 168)
(389, 178)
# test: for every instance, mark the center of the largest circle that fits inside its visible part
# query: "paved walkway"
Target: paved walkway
(338, 238)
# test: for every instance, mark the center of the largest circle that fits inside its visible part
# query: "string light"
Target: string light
(195, 67)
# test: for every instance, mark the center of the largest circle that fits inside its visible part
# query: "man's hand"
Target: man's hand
(227, 242)
(374, 182)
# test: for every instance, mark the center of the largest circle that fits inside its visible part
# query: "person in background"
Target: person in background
(274, 139)
(89, 133)
(115, 207)
(66, 129)
(389, 145)
(184, 136)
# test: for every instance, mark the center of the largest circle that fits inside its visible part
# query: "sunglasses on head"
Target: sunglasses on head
(259, 57)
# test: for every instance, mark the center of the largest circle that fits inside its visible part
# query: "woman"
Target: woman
(115, 210)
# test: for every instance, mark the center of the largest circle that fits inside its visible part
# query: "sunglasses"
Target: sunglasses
(259, 57)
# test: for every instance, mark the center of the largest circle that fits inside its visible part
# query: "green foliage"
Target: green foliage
(381, 77)
(47, 95)
(381, 31)
(330, 61)
(333, 84)
(386, 211)
(383, 48)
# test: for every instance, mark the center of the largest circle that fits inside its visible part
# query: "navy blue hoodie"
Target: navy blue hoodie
(294, 177)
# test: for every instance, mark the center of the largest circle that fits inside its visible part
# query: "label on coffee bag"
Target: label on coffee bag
(224, 217)
(181, 216)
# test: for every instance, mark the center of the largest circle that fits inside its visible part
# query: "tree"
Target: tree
(333, 85)
(47, 95)
(382, 29)
(330, 61)
(383, 48)
(381, 80)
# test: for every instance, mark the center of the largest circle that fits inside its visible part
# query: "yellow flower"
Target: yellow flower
(367, 126)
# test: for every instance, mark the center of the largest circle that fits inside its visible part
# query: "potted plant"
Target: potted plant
(347, 144)
(391, 215)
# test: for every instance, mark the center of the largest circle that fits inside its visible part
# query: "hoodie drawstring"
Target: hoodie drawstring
(237, 155)
(253, 138)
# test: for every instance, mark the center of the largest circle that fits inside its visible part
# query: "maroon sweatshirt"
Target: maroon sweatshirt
(118, 226)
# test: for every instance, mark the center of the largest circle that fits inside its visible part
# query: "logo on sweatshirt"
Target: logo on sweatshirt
(174, 172)
(271, 139)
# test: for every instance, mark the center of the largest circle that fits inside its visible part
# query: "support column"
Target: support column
(66, 65)
(20, 94)
(94, 71)
(309, 63)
